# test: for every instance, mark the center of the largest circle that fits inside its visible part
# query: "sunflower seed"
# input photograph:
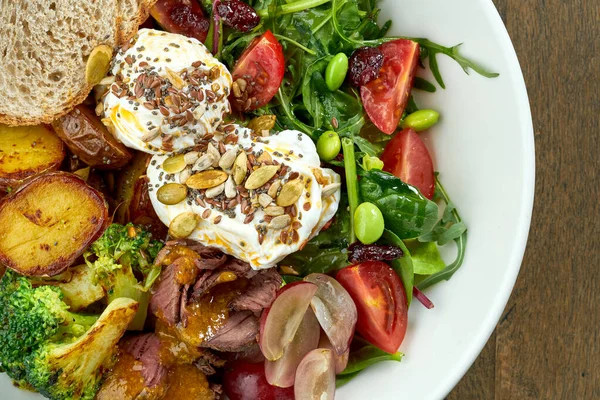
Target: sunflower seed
(230, 191)
(274, 188)
(212, 150)
(151, 135)
(215, 191)
(228, 158)
(184, 175)
(264, 200)
(261, 176)
(204, 162)
(330, 189)
(191, 157)
(280, 222)
(274, 211)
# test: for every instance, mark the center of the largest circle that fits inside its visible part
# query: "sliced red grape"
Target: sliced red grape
(364, 65)
(237, 15)
(279, 323)
(246, 381)
(315, 377)
(282, 372)
(335, 310)
(340, 361)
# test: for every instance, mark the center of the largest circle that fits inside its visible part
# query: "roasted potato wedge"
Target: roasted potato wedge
(48, 222)
(87, 138)
(26, 151)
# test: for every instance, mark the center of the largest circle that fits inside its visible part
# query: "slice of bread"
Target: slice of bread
(44, 47)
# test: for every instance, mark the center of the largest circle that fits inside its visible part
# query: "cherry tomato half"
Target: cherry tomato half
(407, 157)
(246, 381)
(380, 300)
(385, 98)
(260, 70)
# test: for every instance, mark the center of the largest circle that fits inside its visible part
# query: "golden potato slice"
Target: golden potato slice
(26, 151)
(87, 138)
(48, 222)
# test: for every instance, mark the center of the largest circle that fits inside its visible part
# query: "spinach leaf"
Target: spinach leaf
(425, 257)
(326, 252)
(402, 266)
(363, 355)
(406, 212)
(450, 227)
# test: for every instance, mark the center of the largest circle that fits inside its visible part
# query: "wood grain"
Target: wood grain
(547, 343)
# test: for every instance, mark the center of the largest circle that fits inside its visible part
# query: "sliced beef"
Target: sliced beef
(260, 293)
(146, 348)
(166, 296)
(208, 361)
(210, 257)
(238, 333)
(209, 279)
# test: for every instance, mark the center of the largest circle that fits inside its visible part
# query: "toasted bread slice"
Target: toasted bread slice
(44, 48)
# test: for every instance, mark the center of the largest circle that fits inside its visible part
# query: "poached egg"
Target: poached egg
(255, 198)
(165, 93)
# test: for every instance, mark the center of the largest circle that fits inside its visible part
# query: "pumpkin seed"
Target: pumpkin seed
(184, 175)
(290, 193)
(213, 151)
(175, 164)
(228, 158)
(280, 222)
(261, 176)
(264, 200)
(183, 225)
(207, 179)
(97, 64)
(263, 122)
(230, 190)
(215, 191)
(287, 270)
(171, 193)
(265, 157)
(191, 157)
(174, 78)
(274, 188)
(240, 168)
(204, 162)
(83, 173)
(274, 211)
(330, 189)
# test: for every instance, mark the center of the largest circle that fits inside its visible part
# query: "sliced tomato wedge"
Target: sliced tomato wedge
(258, 73)
(380, 300)
(385, 98)
(407, 157)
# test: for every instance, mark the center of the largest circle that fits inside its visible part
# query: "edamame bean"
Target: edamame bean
(328, 145)
(368, 223)
(421, 120)
(336, 71)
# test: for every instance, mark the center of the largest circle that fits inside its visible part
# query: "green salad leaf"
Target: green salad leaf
(403, 266)
(425, 257)
(407, 213)
(363, 355)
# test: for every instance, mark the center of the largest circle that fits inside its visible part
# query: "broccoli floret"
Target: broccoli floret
(74, 369)
(121, 253)
(31, 317)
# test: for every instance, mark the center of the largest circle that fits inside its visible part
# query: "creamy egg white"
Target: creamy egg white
(168, 91)
(250, 224)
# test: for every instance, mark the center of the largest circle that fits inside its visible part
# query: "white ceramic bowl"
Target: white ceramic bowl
(484, 150)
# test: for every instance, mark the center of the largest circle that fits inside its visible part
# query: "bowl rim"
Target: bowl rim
(481, 338)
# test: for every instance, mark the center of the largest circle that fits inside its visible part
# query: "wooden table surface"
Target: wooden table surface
(547, 343)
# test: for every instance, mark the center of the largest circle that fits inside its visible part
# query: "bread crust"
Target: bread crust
(122, 36)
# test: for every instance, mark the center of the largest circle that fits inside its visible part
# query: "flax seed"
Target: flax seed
(206, 213)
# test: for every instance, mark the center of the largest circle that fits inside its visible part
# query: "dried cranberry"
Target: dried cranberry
(364, 65)
(358, 252)
(238, 15)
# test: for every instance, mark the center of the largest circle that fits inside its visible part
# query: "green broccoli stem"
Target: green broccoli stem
(351, 181)
(75, 325)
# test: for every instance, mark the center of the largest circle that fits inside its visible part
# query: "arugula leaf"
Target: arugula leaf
(425, 257)
(424, 85)
(449, 226)
(363, 355)
(406, 212)
(402, 266)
